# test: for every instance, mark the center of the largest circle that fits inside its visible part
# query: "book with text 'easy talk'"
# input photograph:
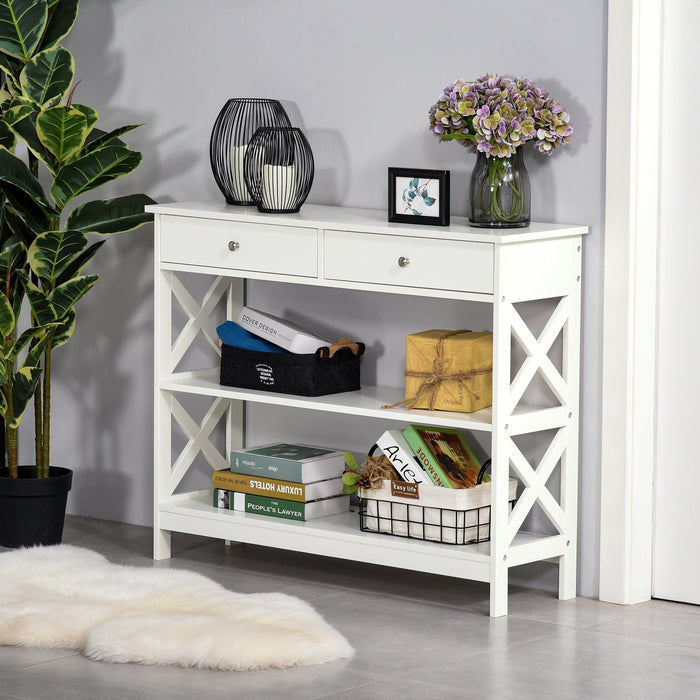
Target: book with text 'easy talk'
(289, 462)
(289, 490)
(444, 455)
(292, 510)
(394, 446)
(280, 331)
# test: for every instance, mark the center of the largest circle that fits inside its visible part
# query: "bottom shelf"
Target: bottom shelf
(334, 536)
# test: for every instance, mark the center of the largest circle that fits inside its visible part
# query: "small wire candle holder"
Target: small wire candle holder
(279, 169)
(233, 129)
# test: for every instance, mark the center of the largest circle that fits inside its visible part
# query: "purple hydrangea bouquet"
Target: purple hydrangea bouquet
(493, 117)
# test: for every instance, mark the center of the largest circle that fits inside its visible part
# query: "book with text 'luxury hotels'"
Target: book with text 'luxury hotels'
(444, 455)
(289, 490)
(292, 510)
(289, 462)
(280, 331)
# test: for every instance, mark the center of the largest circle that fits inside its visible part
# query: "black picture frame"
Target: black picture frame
(404, 192)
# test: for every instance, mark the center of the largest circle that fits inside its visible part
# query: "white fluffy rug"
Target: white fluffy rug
(66, 596)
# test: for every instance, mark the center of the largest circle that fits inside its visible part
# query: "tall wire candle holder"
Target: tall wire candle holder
(279, 169)
(233, 129)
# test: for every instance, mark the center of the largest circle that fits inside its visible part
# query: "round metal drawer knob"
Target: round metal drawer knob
(403, 261)
(233, 245)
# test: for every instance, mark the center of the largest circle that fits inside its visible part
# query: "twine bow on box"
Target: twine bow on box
(432, 380)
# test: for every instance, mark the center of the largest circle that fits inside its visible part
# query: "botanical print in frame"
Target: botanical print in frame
(419, 196)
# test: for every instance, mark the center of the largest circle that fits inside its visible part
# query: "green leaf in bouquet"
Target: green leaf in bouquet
(48, 77)
(62, 130)
(92, 170)
(52, 251)
(60, 20)
(110, 216)
(22, 24)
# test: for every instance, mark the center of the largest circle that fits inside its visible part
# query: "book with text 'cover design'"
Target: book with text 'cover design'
(444, 455)
(289, 490)
(289, 462)
(292, 510)
(280, 331)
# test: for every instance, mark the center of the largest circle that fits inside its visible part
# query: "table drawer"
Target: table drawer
(427, 263)
(288, 250)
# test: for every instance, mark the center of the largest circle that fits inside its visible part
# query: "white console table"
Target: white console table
(358, 249)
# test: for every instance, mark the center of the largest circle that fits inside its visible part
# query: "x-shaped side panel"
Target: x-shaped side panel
(535, 482)
(199, 317)
(198, 436)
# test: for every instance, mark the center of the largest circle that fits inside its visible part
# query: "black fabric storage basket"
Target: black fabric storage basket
(304, 375)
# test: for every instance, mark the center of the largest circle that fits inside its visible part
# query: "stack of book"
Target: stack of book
(283, 480)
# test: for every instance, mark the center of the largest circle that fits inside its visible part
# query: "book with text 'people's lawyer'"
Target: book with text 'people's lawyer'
(444, 455)
(280, 331)
(280, 508)
(288, 490)
(289, 462)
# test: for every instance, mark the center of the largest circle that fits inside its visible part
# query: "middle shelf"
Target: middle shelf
(368, 401)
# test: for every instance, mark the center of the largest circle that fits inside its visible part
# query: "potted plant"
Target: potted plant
(45, 243)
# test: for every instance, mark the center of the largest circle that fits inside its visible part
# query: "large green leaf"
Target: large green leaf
(62, 130)
(23, 386)
(48, 77)
(61, 18)
(27, 219)
(40, 303)
(92, 115)
(36, 333)
(26, 130)
(7, 317)
(64, 331)
(52, 251)
(109, 216)
(67, 295)
(11, 67)
(75, 267)
(98, 138)
(18, 109)
(7, 136)
(15, 173)
(90, 171)
(22, 24)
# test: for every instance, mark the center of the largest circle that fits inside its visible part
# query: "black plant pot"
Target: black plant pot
(32, 510)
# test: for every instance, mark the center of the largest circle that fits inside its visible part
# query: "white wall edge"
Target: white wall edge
(635, 51)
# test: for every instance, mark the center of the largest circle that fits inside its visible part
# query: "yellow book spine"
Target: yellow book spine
(259, 486)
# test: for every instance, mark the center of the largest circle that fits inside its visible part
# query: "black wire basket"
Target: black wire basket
(279, 169)
(230, 138)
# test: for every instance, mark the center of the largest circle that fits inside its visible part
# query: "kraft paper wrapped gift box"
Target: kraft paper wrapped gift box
(449, 370)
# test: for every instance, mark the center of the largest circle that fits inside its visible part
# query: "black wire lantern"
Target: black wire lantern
(279, 169)
(235, 125)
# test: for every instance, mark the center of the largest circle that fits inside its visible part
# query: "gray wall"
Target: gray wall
(359, 78)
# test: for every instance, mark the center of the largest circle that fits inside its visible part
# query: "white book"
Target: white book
(393, 444)
(280, 331)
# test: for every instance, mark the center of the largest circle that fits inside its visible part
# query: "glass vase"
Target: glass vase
(499, 192)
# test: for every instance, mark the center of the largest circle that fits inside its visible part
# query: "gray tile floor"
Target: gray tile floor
(416, 635)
